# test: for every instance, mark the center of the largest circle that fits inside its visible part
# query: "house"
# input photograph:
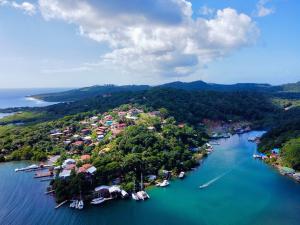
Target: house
(122, 114)
(102, 191)
(94, 118)
(108, 117)
(276, 151)
(116, 131)
(181, 125)
(151, 128)
(54, 131)
(91, 170)
(84, 168)
(68, 162)
(87, 138)
(121, 125)
(78, 143)
(56, 134)
(151, 177)
(70, 167)
(85, 157)
(65, 173)
(273, 156)
(154, 113)
(76, 137)
(86, 131)
(100, 137)
(287, 170)
(109, 123)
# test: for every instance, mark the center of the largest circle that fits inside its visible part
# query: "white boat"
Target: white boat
(164, 183)
(256, 156)
(135, 197)
(144, 195)
(97, 201)
(181, 175)
(80, 205)
(204, 186)
(31, 167)
(124, 194)
(73, 204)
(140, 195)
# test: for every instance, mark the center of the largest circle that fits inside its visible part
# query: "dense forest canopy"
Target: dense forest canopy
(82, 93)
(185, 106)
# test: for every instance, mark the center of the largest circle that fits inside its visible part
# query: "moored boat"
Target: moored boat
(164, 183)
(124, 194)
(97, 201)
(181, 175)
(73, 204)
(31, 167)
(135, 197)
(80, 205)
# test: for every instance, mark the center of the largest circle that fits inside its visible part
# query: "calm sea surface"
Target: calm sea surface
(17, 97)
(248, 192)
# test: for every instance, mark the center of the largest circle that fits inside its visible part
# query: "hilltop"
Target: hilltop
(106, 90)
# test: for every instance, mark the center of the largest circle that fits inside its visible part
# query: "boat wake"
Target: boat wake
(213, 180)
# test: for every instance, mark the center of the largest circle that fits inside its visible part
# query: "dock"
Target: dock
(47, 179)
(49, 192)
(60, 204)
(41, 175)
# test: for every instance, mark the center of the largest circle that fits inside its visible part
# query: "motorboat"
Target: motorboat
(73, 203)
(80, 205)
(143, 195)
(164, 183)
(181, 175)
(124, 194)
(97, 201)
(135, 197)
(31, 167)
(203, 186)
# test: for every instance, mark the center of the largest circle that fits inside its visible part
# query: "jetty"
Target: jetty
(49, 192)
(42, 175)
(60, 204)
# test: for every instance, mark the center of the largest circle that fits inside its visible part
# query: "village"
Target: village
(91, 137)
(272, 157)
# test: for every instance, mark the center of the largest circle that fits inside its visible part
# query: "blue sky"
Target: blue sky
(73, 43)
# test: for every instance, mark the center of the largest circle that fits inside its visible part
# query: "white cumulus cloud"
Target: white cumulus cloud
(155, 36)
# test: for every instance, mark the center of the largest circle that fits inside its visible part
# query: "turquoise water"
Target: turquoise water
(247, 192)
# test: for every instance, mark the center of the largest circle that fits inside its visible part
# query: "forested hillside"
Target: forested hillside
(87, 92)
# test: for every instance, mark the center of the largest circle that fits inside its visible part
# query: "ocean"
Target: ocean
(240, 191)
(18, 98)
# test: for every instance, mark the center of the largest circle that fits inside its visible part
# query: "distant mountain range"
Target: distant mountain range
(93, 91)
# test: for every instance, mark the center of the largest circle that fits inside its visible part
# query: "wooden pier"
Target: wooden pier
(41, 175)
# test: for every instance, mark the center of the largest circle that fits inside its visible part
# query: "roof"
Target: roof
(70, 166)
(102, 187)
(86, 166)
(85, 157)
(69, 161)
(78, 143)
(91, 170)
(114, 189)
(65, 173)
(287, 170)
(81, 170)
